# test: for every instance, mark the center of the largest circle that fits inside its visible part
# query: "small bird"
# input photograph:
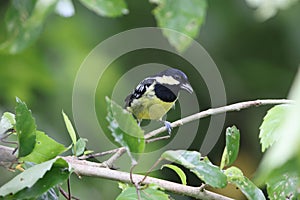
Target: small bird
(155, 95)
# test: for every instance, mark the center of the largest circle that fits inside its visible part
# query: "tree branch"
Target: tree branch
(219, 110)
(87, 168)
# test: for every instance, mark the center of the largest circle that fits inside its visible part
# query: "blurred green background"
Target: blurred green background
(256, 59)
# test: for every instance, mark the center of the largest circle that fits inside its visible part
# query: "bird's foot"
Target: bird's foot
(168, 127)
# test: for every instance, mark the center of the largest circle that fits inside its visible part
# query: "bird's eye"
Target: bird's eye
(177, 77)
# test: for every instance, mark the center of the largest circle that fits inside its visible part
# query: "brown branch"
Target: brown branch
(87, 168)
(219, 110)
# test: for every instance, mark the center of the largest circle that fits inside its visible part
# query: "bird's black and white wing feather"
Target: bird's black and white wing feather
(139, 91)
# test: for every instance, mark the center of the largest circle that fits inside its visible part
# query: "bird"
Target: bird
(156, 95)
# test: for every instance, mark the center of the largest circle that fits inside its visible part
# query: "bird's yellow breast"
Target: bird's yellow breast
(149, 106)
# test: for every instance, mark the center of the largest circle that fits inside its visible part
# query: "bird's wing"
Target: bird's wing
(138, 91)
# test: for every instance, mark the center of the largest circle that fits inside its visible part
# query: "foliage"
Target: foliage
(231, 150)
(286, 133)
(125, 130)
(183, 16)
(49, 170)
(201, 167)
(279, 133)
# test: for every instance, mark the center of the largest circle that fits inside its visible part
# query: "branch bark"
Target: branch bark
(87, 168)
(219, 110)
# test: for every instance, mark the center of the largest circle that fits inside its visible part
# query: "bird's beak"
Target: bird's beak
(187, 87)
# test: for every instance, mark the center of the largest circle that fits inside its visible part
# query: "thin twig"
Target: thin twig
(109, 163)
(150, 170)
(64, 193)
(99, 154)
(219, 110)
(158, 138)
(69, 189)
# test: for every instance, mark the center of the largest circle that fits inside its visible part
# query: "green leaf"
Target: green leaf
(125, 130)
(202, 167)
(45, 149)
(183, 16)
(288, 145)
(52, 194)
(79, 146)
(284, 181)
(146, 194)
(25, 128)
(106, 8)
(269, 128)
(70, 128)
(36, 180)
(7, 122)
(236, 177)
(179, 172)
(24, 22)
(232, 146)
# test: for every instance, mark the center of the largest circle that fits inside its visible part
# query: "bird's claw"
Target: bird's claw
(168, 127)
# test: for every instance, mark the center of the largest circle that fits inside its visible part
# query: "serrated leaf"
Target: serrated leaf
(232, 146)
(70, 128)
(183, 16)
(7, 122)
(79, 146)
(146, 194)
(178, 171)
(288, 145)
(36, 180)
(45, 149)
(25, 128)
(201, 167)
(107, 8)
(24, 21)
(125, 130)
(269, 128)
(236, 177)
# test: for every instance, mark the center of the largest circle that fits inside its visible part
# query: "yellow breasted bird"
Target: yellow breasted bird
(155, 95)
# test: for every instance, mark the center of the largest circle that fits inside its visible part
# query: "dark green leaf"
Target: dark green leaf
(70, 128)
(45, 149)
(269, 128)
(107, 8)
(80, 146)
(125, 129)
(236, 177)
(232, 146)
(25, 128)
(52, 194)
(200, 166)
(183, 16)
(284, 181)
(146, 194)
(36, 180)
(7, 122)
(24, 21)
(178, 171)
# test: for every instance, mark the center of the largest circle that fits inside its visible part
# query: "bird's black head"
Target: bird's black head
(174, 77)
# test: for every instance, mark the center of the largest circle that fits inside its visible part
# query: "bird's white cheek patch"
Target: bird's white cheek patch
(167, 80)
